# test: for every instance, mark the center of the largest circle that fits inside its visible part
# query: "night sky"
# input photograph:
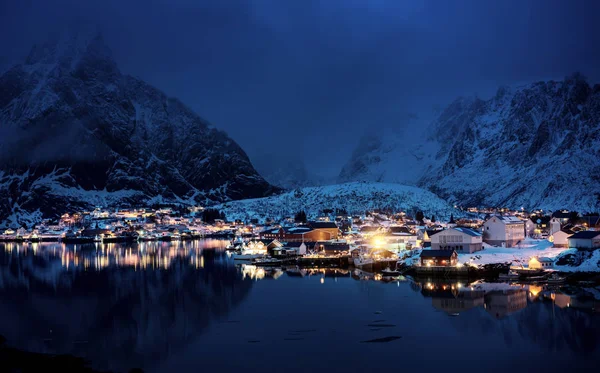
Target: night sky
(309, 77)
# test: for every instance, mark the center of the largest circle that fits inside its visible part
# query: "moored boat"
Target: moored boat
(556, 279)
(390, 272)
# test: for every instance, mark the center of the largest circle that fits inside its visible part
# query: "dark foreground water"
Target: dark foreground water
(185, 307)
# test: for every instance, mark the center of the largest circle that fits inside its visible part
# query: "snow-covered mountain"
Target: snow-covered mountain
(76, 132)
(355, 198)
(392, 154)
(535, 146)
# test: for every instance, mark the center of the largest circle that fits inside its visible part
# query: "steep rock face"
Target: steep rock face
(75, 132)
(536, 146)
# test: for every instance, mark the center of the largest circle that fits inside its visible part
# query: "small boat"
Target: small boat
(266, 262)
(528, 272)
(389, 272)
(236, 256)
(556, 279)
(534, 279)
(511, 275)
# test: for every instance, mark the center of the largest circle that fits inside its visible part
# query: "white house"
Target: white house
(555, 224)
(585, 240)
(541, 263)
(504, 231)
(461, 239)
(561, 238)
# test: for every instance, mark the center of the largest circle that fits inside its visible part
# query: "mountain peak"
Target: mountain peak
(68, 47)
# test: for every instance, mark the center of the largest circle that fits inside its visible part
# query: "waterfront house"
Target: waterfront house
(461, 239)
(505, 231)
(585, 240)
(541, 263)
(332, 247)
(443, 258)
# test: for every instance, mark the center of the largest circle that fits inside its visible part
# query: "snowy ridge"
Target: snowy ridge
(535, 146)
(355, 198)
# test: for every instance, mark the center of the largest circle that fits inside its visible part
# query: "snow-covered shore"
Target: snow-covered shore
(528, 249)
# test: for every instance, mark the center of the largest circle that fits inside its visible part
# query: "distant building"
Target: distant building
(591, 221)
(445, 258)
(561, 216)
(555, 225)
(561, 238)
(312, 232)
(505, 231)
(585, 240)
(461, 239)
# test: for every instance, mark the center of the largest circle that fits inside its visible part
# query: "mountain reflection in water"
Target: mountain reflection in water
(120, 307)
(185, 306)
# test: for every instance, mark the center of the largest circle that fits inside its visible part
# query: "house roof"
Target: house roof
(400, 229)
(587, 235)
(545, 259)
(322, 224)
(468, 231)
(567, 231)
(437, 253)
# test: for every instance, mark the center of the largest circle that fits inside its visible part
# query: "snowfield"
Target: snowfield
(354, 197)
(529, 249)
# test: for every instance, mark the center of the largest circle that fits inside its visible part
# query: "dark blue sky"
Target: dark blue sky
(308, 77)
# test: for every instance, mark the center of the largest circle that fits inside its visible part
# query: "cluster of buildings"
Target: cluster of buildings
(394, 232)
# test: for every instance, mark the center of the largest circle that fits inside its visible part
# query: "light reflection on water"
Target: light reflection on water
(175, 306)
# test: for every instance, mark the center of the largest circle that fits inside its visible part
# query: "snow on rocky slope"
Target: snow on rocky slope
(75, 132)
(355, 198)
(535, 146)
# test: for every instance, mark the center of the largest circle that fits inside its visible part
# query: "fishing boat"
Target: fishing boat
(389, 272)
(527, 272)
(511, 275)
(556, 279)
(246, 256)
(266, 261)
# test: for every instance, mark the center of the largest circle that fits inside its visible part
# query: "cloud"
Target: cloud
(310, 76)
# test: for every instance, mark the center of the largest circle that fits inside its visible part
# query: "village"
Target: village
(526, 244)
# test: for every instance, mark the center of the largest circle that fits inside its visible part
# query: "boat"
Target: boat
(266, 261)
(534, 279)
(511, 275)
(242, 256)
(389, 272)
(556, 279)
(526, 272)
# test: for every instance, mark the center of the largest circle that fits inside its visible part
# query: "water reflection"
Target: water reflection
(120, 307)
(124, 306)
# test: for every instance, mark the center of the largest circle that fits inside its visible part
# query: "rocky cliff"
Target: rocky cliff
(75, 132)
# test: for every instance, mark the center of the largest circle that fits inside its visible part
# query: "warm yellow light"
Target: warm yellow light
(378, 241)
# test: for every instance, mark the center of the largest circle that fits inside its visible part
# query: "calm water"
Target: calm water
(186, 307)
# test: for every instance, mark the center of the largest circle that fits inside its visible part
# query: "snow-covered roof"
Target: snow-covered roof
(468, 231)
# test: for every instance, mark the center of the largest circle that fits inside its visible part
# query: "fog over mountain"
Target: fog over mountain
(310, 76)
